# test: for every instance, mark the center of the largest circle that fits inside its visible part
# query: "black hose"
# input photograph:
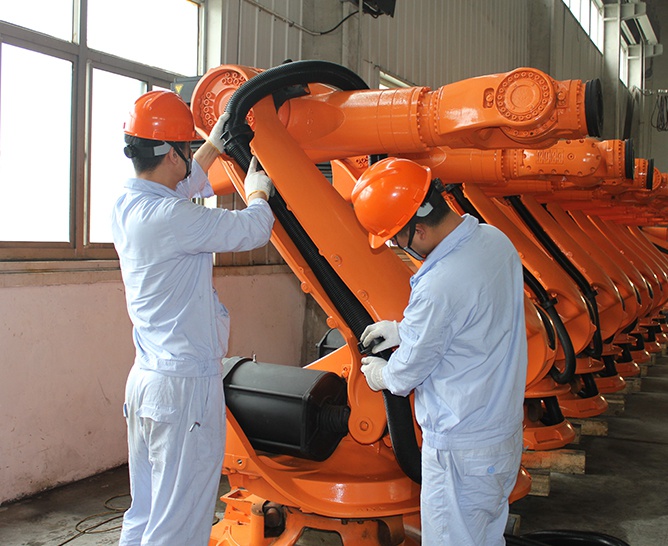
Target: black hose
(593, 101)
(649, 181)
(639, 345)
(610, 368)
(661, 249)
(455, 190)
(553, 250)
(553, 415)
(629, 160)
(375, 158)
(589, 387)
(237, 139)
(512, 540)
(650, 332)
(631, 326)
(238, 134)
(548, 305)
(570, 360)
(544, 300)
(626, 356)
(549, 327)
(574, 538)
(347, 304)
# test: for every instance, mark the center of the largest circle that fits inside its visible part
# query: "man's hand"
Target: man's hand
(386, 331)
(257, 182)
(216, 135)
(372, 368)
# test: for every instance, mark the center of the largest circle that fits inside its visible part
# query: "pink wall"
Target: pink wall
(267, 314)
(66, 348)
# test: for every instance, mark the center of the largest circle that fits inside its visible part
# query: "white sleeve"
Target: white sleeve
(425, 336)
(201, 229)
(196, 185)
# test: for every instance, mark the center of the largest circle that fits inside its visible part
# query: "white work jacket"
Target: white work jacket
(165, 244)
(463, 340)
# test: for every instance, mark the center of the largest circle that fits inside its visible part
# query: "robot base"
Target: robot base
(252, 521)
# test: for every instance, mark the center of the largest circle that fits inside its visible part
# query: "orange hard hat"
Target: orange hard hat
(387, 196)
(161, 115)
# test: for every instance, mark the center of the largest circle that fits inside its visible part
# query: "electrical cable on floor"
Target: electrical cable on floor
(116, 513)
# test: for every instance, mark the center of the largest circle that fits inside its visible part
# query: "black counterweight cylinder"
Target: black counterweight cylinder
(287, 410)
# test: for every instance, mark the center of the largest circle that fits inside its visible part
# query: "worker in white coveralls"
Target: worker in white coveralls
(461, 346)
(174, 401)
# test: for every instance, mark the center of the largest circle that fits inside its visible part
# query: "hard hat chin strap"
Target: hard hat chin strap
(408, 249)
(188, 162)
(131, 150)
(423, 211)
(159, 149)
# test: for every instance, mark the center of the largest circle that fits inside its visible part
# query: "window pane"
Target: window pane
(35, 139)
(574, 6)
(624, 62)
(596, 26)
(113, 97)
(52, 17)
(160, 33)
(584, 16)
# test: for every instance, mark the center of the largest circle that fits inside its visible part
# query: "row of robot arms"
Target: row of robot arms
(314, 447)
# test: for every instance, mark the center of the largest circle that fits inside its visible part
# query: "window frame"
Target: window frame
(583, 10)
(83, 60)
(624, 46)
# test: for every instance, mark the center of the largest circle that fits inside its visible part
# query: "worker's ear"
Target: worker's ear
(172, 156)
(420, 231)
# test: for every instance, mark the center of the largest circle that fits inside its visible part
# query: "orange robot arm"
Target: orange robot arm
(580, 163)
(514, 109)
(505, 110)
(293, 118)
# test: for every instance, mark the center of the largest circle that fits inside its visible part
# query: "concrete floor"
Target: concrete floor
(623, 492)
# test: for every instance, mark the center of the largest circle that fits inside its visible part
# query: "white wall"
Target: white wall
(66, 351)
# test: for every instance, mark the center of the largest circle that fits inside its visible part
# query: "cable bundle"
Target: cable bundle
(659, 118)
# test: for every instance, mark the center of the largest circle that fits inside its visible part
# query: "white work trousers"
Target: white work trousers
(176, 441)
(464, 496)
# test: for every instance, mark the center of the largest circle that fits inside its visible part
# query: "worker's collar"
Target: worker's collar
(185, 188)
(461, 233)
(148, 186)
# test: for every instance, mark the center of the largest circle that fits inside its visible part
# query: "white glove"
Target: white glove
(216, 134)
(386, 329)
(257, 181)
(372, 368)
